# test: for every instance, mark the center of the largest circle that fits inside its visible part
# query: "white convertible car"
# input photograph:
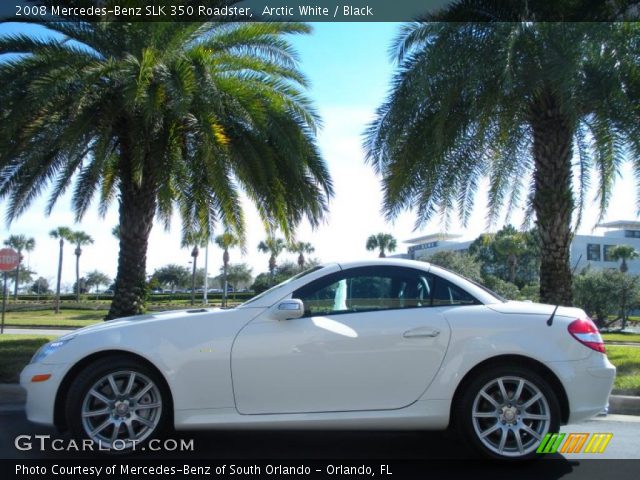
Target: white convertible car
(383, 344)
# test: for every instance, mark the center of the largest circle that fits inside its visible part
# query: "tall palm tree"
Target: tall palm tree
(301, 248)
(161, 116)
(61, 234)
(195, 238)
(19, 243)
(385, 242)
(79, 239)
(623, 253)
(274, 247)
(226, 241)
(541, 92)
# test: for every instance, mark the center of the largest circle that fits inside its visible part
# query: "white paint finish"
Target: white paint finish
(359, 363)
(427, 415)
(351, 361)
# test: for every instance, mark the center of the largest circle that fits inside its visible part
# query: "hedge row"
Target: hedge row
(154, 297)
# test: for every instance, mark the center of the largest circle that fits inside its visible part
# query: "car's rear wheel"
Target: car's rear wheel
(119, 403)
(506, 412)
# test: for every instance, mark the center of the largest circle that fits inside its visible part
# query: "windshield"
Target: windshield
(282, 284)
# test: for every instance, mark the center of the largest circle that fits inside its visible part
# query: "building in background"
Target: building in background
(421, 248)
(586, 250)
(595, 250)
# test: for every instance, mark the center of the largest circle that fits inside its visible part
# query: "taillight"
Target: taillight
(585, 331)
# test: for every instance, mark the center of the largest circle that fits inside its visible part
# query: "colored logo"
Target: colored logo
(574, 443)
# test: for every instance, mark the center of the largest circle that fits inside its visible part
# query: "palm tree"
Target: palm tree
(624, 253)
(511, 247)
(161, 117)
(301, 248)
(382, 241)
(226, 241)
(61, 234)
(79, 239)
(274, 247)
(19, 243)
(541, 91)
(197, 239)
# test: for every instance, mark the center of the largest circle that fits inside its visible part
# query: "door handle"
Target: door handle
(421, 332)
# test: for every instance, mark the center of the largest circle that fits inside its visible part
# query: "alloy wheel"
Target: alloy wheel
(511, 416)
(121, 409)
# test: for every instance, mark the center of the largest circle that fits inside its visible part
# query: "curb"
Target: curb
(13, 397)
(624, 405)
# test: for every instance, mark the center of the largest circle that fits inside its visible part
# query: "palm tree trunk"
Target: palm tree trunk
(272, 268)
(553, 199)
(15, 284)
(77, 275)
(57, 300)
(137, 209)
(623, 266)
(225, 263)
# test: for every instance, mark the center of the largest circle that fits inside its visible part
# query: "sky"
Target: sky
(349, 69)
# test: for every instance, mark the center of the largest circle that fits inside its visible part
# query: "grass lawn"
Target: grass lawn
(621, 337)
(46, 318)
(627, 361)
(15, 353)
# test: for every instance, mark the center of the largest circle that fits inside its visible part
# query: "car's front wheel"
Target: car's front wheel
(506, 412)
(119, 403)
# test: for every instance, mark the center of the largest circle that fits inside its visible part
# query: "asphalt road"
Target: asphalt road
(435, 452)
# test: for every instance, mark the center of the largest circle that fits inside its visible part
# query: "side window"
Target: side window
(325, 299)
(446, 293)
(367, 289)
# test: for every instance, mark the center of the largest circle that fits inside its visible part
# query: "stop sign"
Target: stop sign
(9, 259)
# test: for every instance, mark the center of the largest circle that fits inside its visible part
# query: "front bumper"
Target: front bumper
(41, 396)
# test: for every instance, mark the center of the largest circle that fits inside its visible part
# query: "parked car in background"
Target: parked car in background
(379, 344)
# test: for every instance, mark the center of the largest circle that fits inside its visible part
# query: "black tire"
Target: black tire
(483, 423)
(125, 419)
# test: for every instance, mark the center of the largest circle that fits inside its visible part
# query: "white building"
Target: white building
(595, 250)
(586, 250)
(423, 247)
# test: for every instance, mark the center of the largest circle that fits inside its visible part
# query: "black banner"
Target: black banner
(119, 468)
(319, 10)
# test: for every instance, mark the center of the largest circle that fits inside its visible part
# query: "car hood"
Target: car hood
(146, 318)
(530, 308)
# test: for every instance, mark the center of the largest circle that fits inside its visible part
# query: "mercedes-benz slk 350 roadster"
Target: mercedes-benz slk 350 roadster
(383, 344)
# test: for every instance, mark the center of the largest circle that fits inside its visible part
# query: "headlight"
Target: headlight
(48, 348)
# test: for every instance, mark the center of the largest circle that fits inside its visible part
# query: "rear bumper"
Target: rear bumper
(587, 383)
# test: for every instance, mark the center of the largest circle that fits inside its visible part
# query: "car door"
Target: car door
(369, 340)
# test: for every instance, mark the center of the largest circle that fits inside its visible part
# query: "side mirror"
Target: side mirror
(288, 309)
